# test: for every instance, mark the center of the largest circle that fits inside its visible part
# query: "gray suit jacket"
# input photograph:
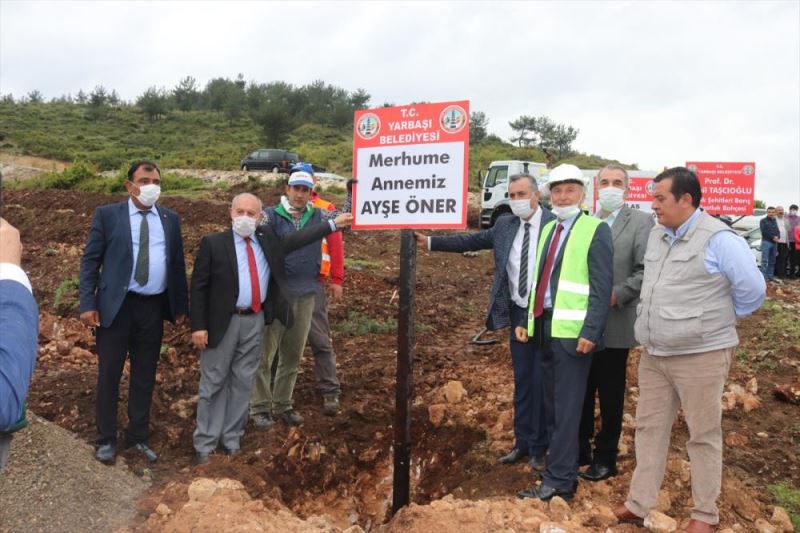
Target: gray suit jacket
(500, 237)
(630, 232)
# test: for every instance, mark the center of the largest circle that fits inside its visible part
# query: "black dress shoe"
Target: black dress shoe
(545, 493)
(201, 457)
(513, 456)
(598, 472)
(537, 463)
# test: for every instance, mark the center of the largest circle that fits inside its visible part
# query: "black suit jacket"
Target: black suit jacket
(215, 278)
(107, 263)
(601, 281)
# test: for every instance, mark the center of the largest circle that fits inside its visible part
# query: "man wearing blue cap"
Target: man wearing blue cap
(294, 212)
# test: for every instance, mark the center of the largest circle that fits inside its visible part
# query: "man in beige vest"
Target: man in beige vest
(699, 276)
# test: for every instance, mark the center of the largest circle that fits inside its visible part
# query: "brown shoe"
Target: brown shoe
(625, 516)
(697, 526)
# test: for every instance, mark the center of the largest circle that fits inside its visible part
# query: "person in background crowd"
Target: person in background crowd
(782, 255)
(513, 239)
(630, 229)
(792, 221)
(769, 243)
(699, 276)
(132, 278)
(19, 336)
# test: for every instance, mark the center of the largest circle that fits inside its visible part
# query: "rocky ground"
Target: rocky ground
(332, 474)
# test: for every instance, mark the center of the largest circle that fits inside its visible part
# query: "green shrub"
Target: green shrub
(788, 497)
(359, 324)
(66, 296)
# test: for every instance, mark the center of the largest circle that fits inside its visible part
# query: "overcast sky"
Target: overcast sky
(653, 83)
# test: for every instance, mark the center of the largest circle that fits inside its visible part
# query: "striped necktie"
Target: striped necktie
(142, 270)
(523, 261)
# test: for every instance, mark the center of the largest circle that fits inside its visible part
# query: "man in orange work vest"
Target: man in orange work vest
(319, 336)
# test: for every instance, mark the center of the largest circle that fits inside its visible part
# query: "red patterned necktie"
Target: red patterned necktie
(255, 286)
(541, 288)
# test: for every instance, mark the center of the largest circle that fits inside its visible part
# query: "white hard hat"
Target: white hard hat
(562, 173)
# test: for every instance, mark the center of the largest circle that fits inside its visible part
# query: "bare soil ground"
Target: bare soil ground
(341, 467)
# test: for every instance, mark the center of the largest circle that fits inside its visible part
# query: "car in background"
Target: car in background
(749, 222)
(269, 159)
(753, 238)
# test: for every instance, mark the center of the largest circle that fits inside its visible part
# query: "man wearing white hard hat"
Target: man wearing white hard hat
(567, 312)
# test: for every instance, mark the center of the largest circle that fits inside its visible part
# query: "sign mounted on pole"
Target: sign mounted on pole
(728, 188)
(411, 163)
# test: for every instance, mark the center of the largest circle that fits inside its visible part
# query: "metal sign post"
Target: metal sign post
(411, 163)
(405, 384)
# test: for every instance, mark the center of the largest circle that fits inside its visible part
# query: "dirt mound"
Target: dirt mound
(53, 483)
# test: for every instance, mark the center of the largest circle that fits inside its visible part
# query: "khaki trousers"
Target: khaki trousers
(288, 344)
(694, 383)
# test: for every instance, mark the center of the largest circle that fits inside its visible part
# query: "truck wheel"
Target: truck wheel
(498, 213)
(275, 169)
(244, 167)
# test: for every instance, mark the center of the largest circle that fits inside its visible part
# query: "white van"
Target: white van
(495, 187)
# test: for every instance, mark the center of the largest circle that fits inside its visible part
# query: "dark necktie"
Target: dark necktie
(142, 270)
(255, 286)
(541, 288)
(523, 261)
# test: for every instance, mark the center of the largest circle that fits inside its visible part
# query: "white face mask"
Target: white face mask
(568, 211)
(244, 226)
(611, 198)
(148, 194)
(522, 208)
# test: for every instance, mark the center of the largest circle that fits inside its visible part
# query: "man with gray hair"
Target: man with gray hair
(630, 229)
(513, 239)
(237, 285)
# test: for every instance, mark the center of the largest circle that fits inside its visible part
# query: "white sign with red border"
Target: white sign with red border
(411, 163)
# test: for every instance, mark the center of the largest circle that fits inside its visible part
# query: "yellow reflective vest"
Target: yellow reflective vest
(572, 294)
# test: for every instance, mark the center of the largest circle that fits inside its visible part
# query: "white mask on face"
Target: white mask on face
(611, 198)
(148, 194)
(522, 208)
(568, 211)
(244, 226)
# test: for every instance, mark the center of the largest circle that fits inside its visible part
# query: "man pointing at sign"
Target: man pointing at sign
(514, 242)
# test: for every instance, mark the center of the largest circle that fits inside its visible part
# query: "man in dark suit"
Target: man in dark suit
(19, 335)
(237, 286)
(132, 278)
(513, 239)
(630, 229)
(566, 317)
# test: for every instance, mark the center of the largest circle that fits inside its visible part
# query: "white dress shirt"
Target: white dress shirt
(515, 255)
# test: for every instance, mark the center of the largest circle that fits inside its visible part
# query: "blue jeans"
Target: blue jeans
(769, 251)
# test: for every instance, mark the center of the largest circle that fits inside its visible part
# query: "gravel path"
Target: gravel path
(53, 483)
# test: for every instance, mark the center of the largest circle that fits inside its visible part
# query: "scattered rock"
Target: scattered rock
(749, 402)
(201, 490)
(762, 526)
(551, 527)
(454, 391)
(752, 386)
(163, 510)
(559, 508)
(659, 522)
(736, 440)
(601, 517)
(436, 414)
(728, 401)
(788, 393)
(781, 519)
(738, 496)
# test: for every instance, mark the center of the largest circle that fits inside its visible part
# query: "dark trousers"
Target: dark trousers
(530, 427)
(606, 380)
(782, 260)
(136, 331)
(794, 260)
(565, 375)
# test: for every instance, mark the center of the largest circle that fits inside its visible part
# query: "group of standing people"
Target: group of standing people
(780, 243)
(244, 281)
(578, 291)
